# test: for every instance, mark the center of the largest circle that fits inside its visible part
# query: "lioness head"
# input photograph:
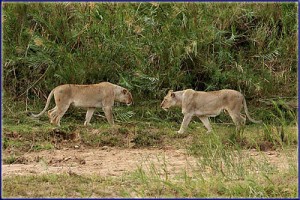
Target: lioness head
(169, 100)
(125, 97)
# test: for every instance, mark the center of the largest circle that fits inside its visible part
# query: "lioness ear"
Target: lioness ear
(124, 91)
(172, 94)
(170, 91)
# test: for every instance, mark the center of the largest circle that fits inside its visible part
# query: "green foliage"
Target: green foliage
(151, 47)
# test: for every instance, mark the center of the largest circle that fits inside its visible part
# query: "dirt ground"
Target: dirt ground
(107, 161)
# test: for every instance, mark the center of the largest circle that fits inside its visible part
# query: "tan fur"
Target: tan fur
(208, 104)
(86, 96)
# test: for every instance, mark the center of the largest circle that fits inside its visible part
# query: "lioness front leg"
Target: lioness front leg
(206, 123)
(185, 122)
(108, 115)
(88, 116)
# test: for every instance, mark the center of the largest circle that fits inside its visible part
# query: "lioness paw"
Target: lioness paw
(87, 124)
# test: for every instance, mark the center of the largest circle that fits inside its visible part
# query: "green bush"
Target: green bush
(150, 48)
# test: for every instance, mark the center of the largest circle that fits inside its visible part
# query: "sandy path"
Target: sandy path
(116, 161)
(104, 162)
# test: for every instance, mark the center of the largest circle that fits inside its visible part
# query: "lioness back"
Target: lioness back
(85, 95)
(213, 102)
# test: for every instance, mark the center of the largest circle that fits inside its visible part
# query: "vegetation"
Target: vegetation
(223, 168)
(206, 46)
(150, 48)
(141, 184)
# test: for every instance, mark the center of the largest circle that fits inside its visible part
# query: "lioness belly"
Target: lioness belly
(87, 103)
(211, 113)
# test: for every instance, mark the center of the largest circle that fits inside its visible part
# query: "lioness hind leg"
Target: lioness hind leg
(59, 114)
(52, 114)
(238, 120)
(242, 124)
(206, 123)
(243, 119)
(185, 122)
(88, 116)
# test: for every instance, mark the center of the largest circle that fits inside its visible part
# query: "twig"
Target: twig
(291, 103)
(34, 83)
(26, 101)
(98, 115)
(274, 98)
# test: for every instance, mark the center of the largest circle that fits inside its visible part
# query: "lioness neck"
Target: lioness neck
(178, 96)
(117, 90)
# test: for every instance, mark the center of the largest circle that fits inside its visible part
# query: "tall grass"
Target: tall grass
(220, 172)
(150, 47)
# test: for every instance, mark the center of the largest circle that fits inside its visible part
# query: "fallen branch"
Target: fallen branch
(290, 104)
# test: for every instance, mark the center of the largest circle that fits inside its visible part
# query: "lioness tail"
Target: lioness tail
(46, 106)
(248, 115)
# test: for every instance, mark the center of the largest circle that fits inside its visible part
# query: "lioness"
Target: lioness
(207, 104)
(87, 96)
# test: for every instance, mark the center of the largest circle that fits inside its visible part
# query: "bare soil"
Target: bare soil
(108, 161)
